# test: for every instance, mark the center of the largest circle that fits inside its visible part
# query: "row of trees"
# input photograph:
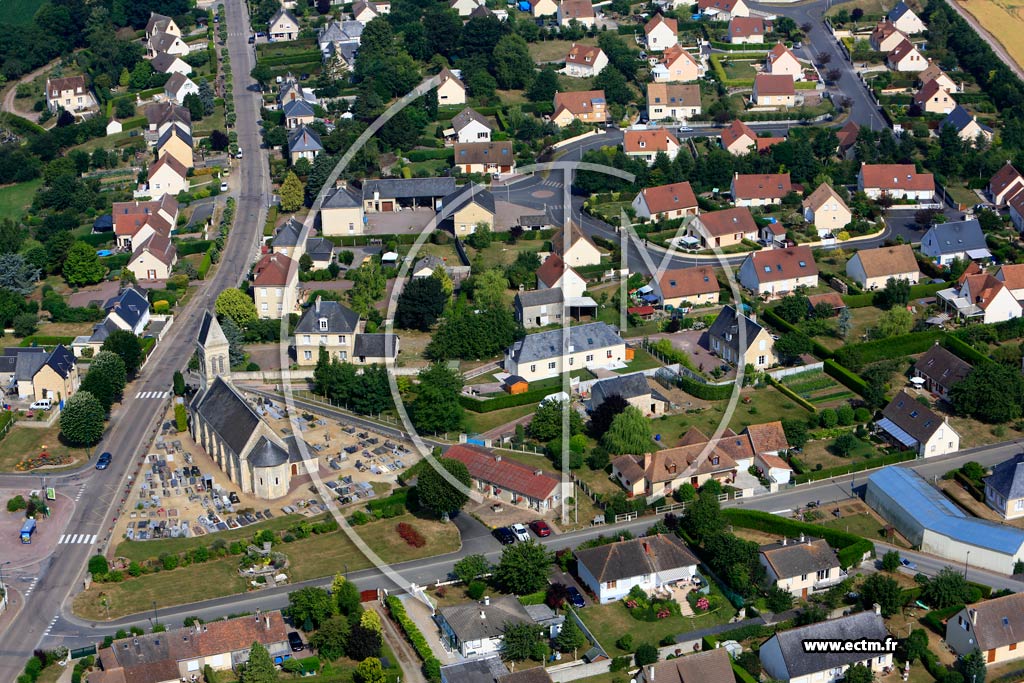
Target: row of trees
(83, 419)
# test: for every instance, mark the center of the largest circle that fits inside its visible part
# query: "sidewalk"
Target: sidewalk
(15, 600)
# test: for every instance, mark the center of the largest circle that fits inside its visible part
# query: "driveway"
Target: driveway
(694, 342)
(567, 579)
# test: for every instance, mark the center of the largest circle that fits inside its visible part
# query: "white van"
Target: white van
(42, 404)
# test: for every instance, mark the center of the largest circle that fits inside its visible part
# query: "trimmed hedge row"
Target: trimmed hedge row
(891, 347)
(935, 617)
(189, 247)
(430, 154)
(44, 340)
(500, 402)
(820, 350)
(789, 393)
(870, 463)
(965, 351)
(293, 58)
(851, 548)
(845, 377)
(431, 665)
(204, 265)
(707, 392)
(859, 300)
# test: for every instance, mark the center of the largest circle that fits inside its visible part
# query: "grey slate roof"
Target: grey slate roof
(959, 118)
(942, 366)
(298, 108)
(543, 345)
(863, 625)
(467, 116)
(174, 131)
(228, 414)
(468, 194)
(466, 623)
(376, 345)
(727, 323)
(797, 558)
(484, 670)
(540, 297)
(210, 331)
(340, 198)
(161, 42)
(304, 139)
(28, 363)
(628, 386)
(340, 319)
(288, 234)
(163, 61)
(1007, 478)
(266, 453)
(408, 188)
(625, 559)
(957, 236)
(62, 360)
(917, 420)
(898, 11)
(340, 32)
(130, 305)
(281, 13)
(429, 261)
(100, 331)
(319, 248)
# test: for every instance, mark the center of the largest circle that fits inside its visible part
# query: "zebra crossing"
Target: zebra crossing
(50, 626)
(72, 539)
(152, 394)
(31, 587)
(78, 496)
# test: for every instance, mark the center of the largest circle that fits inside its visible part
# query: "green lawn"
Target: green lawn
(642, 360)
(20, 12)
(962, 195)
(478, 423)
(739, 70)
(767, 405)
(861, 524)
(555, 50)
(14, 199)
(139, 551)
(25, 442)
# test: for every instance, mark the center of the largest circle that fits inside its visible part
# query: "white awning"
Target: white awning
(978, 254)
(897, 433)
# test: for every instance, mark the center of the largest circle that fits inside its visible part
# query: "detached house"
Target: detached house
(784, 658)
(541, 355)
(283, 26)
(154, 258)
(1016, 206)
(178, 87)
(1006, 183)
(341, 212)
(1012, 277)
(166, 175)
(933, 99)
(475, 629)
(275, 286)
(70, 94)
(681, 287)
(538, 308)
(364, 12)
(466, 208)
(994, 628)
(469, 126)
(677, 64)
(777, 272)
(941, 370)
(906, 57)
(773, 90)
(905, 20)
(554, 273)
(738, 138)
(580, 11)
(543, 8)
(450, 90)
(782, 61)
(666, 202)
(303, 143)
(724, 340)
(885, 37)
(339, 330)
(914, 426)
(899, 181)
(165, 63)
(747, 30)
(872, 268)
(979, 297)
(634, 388)
(1004, 488)
(801, 566)
(672, 101)
(610, 571)
(581, 250)
(723, 10)
(297, 112)
(826, 210)
(760, 189)
(946, 242)
(484, 157)
(935, 73)
(661, 33)
(723, 228)
(509, 481)
(645, 144)
(587, 106)
(967, 126)
(585, 61)
(699, 667)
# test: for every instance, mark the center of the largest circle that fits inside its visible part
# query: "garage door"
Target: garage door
(387, 206)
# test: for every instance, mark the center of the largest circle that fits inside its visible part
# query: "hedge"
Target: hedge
(292, 58)
(786, 391)
(204, 265)
(500, 402)
(965, 351)
(934, 618)
(44, 340)
(431, 665)
(870, 463)
(851, 548)
(916, 292)
(741, 674)
(189, 247)
(859, 300)
(97, 239)
(852, 381)
(890, 347)
(969, 486)
(707, 392)
(430, 154)
(817, 347)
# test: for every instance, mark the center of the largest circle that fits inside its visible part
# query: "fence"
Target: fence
(786, 372)
(461, 249)
(587, 490)
(626, 516)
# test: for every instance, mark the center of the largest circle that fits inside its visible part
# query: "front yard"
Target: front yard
(766, 405)
(22, 443)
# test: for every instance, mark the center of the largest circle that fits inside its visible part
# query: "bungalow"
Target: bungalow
(543, 8)
(166, 175)
(700, 667)
(784, 657)
(554, 273)
(760, 189)
(661, 33)
(898, 181)
(297, 112)
(723, 228)
(695, 461)
(450, 90)
(581, 250)
(1012, 276)
(906, 57)
(1006, 182)
(723, 339)
(994, 628)
(935, 73)
(587, 106)
(964, 240)
(1004, 487)
(154, 258)
(303, 143)
(723, 10)
(885, 37)
(540, 355)
(782, 61)
(70, 94)
(645, 144)
(905, 20)
(397, 194)
(666, 202)
(341, 212)
(470, 126)
(679, 287)
(580, 11)
(509, 481)
(747, 30)
(738, 138)
(283, 26)
(773, 90)
(967, 126)
(466, 208)
(980, 297)
(611, 570)
(585, 61)
(941, 370)
(800, 566)
(476, 629)
(634, 388)
(774, 468)
(933, 99)
(677, 64)
(826, 210)
(873, 268)
(673, 101)
(909, 424)
(178, 87)
(484, 157)
(777, 272)
(275, 286)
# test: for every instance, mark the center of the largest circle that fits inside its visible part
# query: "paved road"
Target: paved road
(134, 422)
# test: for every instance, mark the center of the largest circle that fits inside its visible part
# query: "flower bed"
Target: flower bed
(644, 608)
(43, 460)
(410, 535)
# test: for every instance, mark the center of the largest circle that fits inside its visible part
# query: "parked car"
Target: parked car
(904, 562)
(42, 404)
(541, 528)
(103, 462)
(521, 533)
(575, 597)
(504, 535)
(295, 640)
(224, 186)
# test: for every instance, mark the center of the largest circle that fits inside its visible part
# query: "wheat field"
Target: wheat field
(1004, 19)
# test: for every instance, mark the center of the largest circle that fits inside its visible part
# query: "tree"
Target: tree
(991, 392)
(82, 266)
(179, 383)
(629, 432)
(98, 565)
(436, 408)
(645, 654)
(544, 86)
(844, 444)
(858, 673)
(947, 588)
(519, 641)
(703, 517)
(310, 606)
(260, 667)
(488, 289)
(891, 561)
(81, 421)
(236, 341)
(420, 304)
(883, 590)
(305, 263)
(481, 236)
(346, 595)
(370, 671)
(25, 324)
(436, 493)
(127, 346)
(523, 568)
(206, 96)
(972, 667)
(17, 274)
(616, 89)
(602, 416)
(106, 378)
(330, 639)
(261, 73)
(368, 287)
(796, 432)
(547, 420)
(441, 275)
(194, 106)
(371, 620)
(471, 567)
(235, 304)
(778, 600)
(571, 637)
(915, 645)
(793, 308)
(292, 193)
(896, 293)
(513, 66)
(219, 141)
(791, 345)
(363, 643)
(893, 323)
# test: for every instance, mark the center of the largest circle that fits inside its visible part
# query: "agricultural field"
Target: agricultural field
(1004, 19)
(818, 388)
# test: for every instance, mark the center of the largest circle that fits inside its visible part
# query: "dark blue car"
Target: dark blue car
(504, 535)
(103, 462)
(575, 597)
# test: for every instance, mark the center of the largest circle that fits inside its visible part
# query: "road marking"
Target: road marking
(63, 536)
(31, 587)
(50, 627)
(780, 512)
(152, 394)
(72, 539)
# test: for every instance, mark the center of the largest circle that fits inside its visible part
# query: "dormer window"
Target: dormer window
(323, 324)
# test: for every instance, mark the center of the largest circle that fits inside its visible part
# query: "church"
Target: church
(230, 430)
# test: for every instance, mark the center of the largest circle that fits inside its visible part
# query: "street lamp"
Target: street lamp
(966, 560)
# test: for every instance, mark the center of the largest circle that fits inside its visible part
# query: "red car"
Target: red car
(540, 527)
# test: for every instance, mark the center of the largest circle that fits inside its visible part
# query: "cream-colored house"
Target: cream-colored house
(872, 268)
(283, 26)
(275, 286)
(933, 99)
(681, 287)
(723, 10)
(166, 175)
(341, 213)
(994, 628)
(723, 228)
(910, 425)
(724, 341)
(543, 8)
(634, 388)
(826, 210)
(666, 202)
(801, 566)
(70, 94)
(677, 65)
(784, 658)
(695, 461)
(328, 325)
(581, 251)
(773, 90)
(585, 61)
(450, 90)
(781, 60)
(588, 106)
(1004, 488)
(580, 11)
(57, 378)
(776, 272)
(174, 141)
(967, 126)
(905, 20)
(1005, 184)
(738, 138)
(906, 57)
(747, 30)
(645, 144)
(154, 258)
(674, 101)
(591, 346)
(885, 37)
(935, 73)
(661, 33)
(468, 207)
(555, 274)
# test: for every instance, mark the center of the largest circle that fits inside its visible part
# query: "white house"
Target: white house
(610, 571)
(800, 566)
(826, 210)
(179, 86)
(784, 658)
(581, 250)
(898, 181)
(776, 272)
(946, 242)
(905, 20)
(540, 355)
(470, 126)
(585, 61)
(914, 426)
(979, 297)
(661, 33)
(283, 26)
(554, 273)
(872, 268)
(476, 629)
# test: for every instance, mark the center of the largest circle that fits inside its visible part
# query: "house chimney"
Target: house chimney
(650, 674)
(537, 473)
(878, 609)
(647, 548)
(266, 622)
(482, 615)
(317, 304)
(973, 614)
(785, 541)
(487, 600)
(497, 458)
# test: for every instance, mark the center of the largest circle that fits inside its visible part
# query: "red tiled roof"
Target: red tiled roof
(723, 5)
(1004, 178)
(736, 130)
(506, 474)
(1013, 275)
(640, 310)
(774, 84)
(653, 141)
(551, 271)
(896, 177)
(765, 143)
(848, 135)
(900, 51)
(577, 103)
(783, 264)
(658, 19)
(669, 197)
(728, 221)
(272, 271)
(582, 54)
(675, 52)
(688, 282)
(577, 9)
(130, 217)
(761, 186)
(744, 27)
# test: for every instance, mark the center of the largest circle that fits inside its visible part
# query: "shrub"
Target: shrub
(475, 590)
(431, 665)
(17, 503)
(98, 565)
(410, 535)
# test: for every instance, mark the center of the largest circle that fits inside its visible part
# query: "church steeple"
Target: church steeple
(212, 349)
